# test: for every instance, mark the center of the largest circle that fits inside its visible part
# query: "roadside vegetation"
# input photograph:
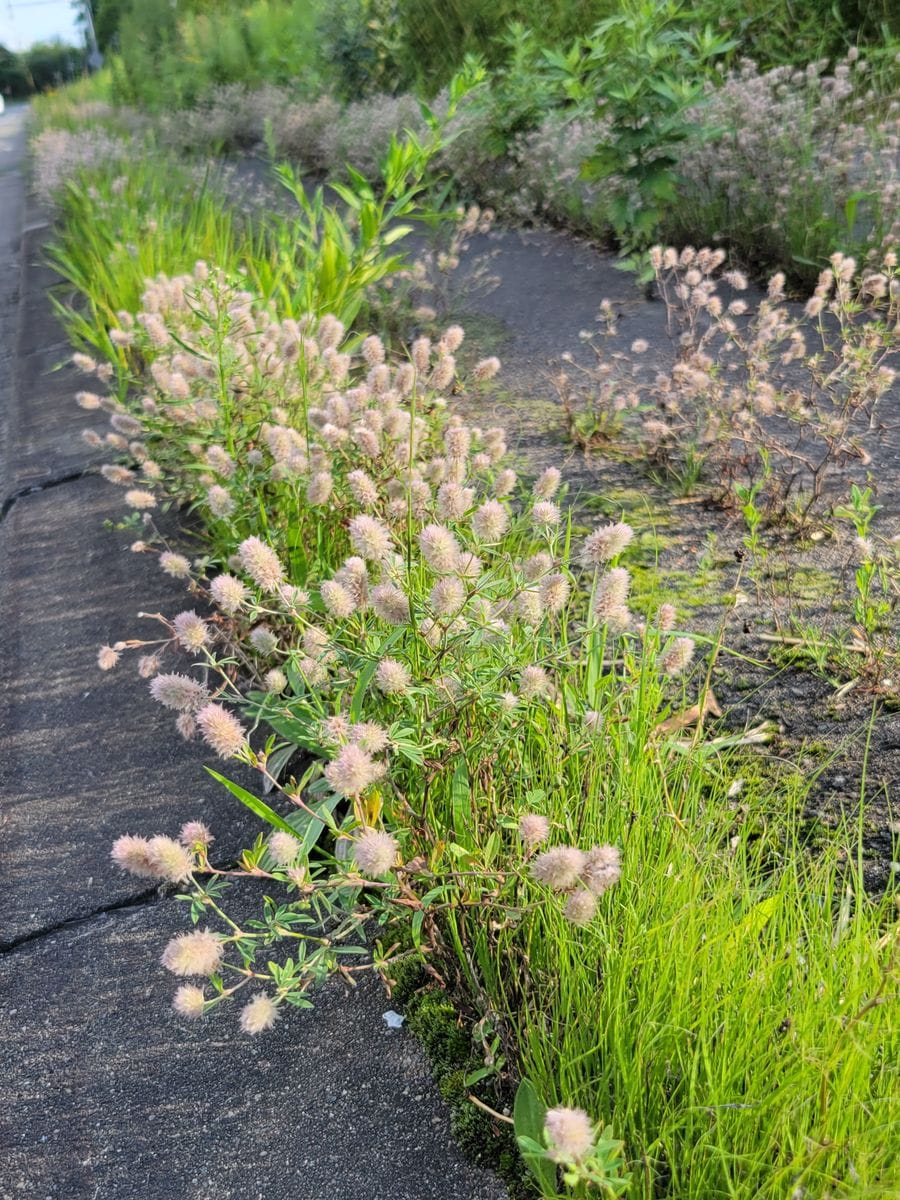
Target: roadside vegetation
(480, 737)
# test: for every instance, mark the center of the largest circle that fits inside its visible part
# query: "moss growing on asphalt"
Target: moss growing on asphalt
(441, 1029)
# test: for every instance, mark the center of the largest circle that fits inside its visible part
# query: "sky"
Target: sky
(23, 22)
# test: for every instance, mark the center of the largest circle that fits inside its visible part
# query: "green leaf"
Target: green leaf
(347, 194)
(308, 827)
(366, 674)
(395, 234)
(252, 802)
(460, 797)
(277, 761)
(529, 1112)
(476, 1076)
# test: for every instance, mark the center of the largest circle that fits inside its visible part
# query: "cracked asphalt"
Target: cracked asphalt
(107, 1094)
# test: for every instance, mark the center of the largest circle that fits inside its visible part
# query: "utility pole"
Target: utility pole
(94, 58)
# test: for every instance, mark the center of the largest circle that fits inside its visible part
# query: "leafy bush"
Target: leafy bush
(168, 58)
(362, 133)
(790, 165)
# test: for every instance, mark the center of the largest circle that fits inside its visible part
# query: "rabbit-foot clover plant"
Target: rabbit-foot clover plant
(435, 627)
(766, 398)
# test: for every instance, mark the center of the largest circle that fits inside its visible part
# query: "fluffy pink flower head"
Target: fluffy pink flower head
(374, 852)
(370, 538)
(677, 657)
(440, 549)
(602, 869)
(178, 692)
(363, 488)
(369, 737)
(261, 564)
(457, 440)
(259, 1014)
(611, 597)
(107, 658)
(580, 908)
(275, 681)
(221, 730)
(468, 565)
(148, 665)
(605, 543)
(447, 596)
(367, 441)
(190, 631)
(452, 338)
(330, 332)
(666, 618)
(220, 501)
(554, 592)
(390, 604)
(444, 372)
(569, 1134)
(534, 682)
(534, 829)
(199, 952)
(140, 498)
(228, 593)
(545, 514)
(335, 730)
(490, 522)
(352, 771)
(392, 677)
(195, 833)
(337, 600)
(115, 474)
(316, 642)
(263, 640)
(559, 868)
(283, 847)
(293, 598)
(133, 854)
(373, 350)
(421, 353)
(189, 1001)
(547, 484)
(453, 501)
(505, 482)
(175, 565)
(186, 726)
(320, 487)
(128, 425)
(594, 721)
(487, 368)
(173, 861)
(537, 566)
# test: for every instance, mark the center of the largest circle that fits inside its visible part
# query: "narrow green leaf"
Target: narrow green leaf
(529, 1112)
(252, 802)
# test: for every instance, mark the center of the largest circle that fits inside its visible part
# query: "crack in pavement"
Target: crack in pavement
(149, 896)
(32, 489)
